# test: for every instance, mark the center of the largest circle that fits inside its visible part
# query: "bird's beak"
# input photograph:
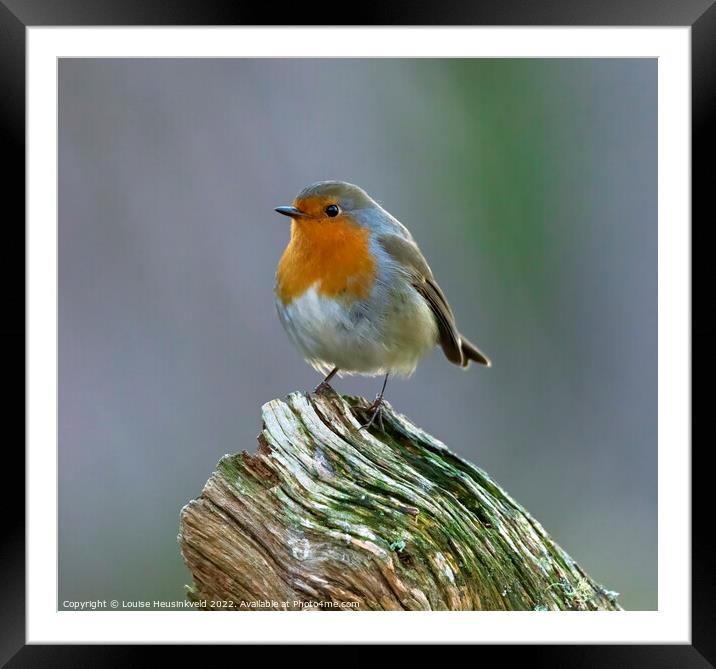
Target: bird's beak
(290, 211)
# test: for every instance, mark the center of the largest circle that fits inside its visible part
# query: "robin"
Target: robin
(354, 292)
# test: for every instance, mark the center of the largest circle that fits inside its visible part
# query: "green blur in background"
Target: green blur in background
(531, 187)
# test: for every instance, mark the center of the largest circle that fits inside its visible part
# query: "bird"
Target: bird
(355, 294)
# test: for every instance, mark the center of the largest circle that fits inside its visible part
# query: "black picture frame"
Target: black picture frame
(16, 15)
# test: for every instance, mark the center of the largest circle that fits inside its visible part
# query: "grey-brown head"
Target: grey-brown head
(328, 199)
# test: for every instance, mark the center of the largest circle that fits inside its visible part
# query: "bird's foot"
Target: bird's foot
(375, 412)
(323, 387)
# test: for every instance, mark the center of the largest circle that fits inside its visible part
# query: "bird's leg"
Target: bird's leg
(376, 409)
(326, 383)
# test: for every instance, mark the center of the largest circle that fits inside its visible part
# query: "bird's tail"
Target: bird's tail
(471, 352)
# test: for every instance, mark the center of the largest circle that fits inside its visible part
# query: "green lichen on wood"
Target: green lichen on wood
(386, 518)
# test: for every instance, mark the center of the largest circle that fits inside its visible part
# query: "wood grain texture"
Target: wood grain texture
(326, 515)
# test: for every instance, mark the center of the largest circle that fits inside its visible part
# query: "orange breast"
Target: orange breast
(333, 254)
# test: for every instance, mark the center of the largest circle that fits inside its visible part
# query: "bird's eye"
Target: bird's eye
(332, 210)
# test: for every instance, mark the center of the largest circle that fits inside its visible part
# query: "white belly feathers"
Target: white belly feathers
(364, 338)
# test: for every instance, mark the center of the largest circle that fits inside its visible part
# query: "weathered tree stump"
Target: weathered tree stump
(328, 515)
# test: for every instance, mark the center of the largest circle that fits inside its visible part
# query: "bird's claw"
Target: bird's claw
(376, 411)
(322, 387)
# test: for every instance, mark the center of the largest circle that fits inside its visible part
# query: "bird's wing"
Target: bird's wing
(406, 253)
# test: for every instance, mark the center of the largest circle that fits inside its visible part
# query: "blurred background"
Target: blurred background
(530, 186)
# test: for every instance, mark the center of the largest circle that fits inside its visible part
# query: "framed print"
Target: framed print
(438, 260)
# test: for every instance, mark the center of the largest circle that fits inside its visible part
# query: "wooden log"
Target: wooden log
(328, 515)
